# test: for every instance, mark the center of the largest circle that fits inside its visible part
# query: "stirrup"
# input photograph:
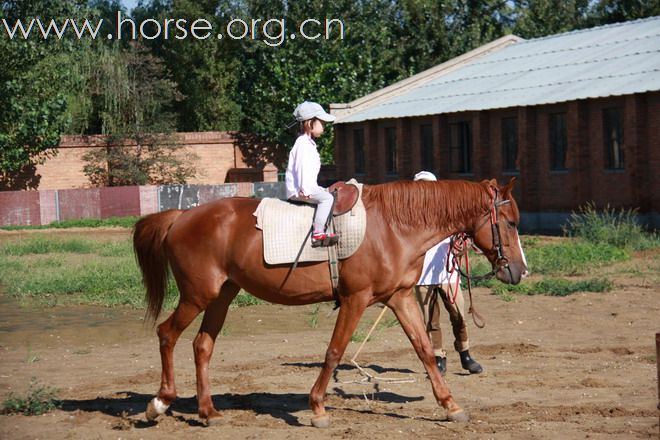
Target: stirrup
(324, 239)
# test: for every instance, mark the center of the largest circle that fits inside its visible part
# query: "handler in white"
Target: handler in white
(304, 166)
(436, 282)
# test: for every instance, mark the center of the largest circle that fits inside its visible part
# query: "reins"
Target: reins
(458, 249)
(459, 245)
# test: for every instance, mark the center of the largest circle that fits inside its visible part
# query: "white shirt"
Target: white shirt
(435, 266)
(303, 168)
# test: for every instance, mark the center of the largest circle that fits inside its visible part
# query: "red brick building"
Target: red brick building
(575, 117)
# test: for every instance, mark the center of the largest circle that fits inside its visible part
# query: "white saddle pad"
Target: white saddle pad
(285, 226)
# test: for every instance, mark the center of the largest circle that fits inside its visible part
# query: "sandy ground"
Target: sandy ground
(578, 367)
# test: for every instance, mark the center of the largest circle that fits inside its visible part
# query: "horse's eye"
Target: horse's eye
(512, 225)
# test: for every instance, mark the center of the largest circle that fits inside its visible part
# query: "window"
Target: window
(358, 150)
(426, 136)
(510, 144)
(613, 136)
(558, 141)
(460, 147)
(390, 150)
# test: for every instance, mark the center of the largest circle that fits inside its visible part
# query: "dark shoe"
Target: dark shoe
(441, 362)
(470, 364)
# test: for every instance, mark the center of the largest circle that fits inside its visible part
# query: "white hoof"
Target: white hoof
(155, 408)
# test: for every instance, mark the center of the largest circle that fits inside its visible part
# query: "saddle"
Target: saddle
(285, 226)
(346, 196)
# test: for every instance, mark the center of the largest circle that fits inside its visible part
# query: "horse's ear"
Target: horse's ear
(491, 183)
(506, 191)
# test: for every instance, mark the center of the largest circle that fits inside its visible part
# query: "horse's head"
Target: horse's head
(496, 234)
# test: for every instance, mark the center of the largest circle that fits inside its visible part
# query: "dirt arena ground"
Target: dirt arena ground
(582, 366)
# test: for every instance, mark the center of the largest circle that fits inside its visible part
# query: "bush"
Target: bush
(616, 228)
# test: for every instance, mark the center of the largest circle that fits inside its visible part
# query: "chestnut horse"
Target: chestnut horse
(215, 249)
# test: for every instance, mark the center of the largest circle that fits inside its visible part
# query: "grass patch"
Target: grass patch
(572, 257)
(48, 245)
(553, 287)
(550, 261)
(314, 316)
(116, 222)
(244, 299)
(565, 258)
(39, 400)
(81, 271)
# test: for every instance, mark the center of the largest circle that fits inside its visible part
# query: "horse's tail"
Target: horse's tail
(149, 236)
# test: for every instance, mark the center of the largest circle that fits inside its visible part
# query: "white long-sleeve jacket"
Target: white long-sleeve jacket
(303, 168)
(435, 269)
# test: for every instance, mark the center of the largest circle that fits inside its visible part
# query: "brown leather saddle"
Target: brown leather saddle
(346, 196)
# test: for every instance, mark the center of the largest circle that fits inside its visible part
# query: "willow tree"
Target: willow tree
(127, 96)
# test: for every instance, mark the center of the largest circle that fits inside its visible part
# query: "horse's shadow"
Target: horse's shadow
(125, 405)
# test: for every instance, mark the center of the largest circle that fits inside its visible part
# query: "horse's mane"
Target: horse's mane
(424, 204)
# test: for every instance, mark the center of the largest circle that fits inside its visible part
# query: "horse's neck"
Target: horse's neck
(445, 216)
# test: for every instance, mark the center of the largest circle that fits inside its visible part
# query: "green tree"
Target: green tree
(205, 70)
(132, 104)
(32, 115)
(275, 78)
(538, 19)
(615, 11)
(472, 23)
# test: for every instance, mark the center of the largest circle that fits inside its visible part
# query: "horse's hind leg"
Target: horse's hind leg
(214, 319)
(168, 333)
(407, 311)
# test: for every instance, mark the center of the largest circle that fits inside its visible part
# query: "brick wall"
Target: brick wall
(214, 153)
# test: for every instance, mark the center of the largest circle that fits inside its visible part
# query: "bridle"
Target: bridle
(461, 242)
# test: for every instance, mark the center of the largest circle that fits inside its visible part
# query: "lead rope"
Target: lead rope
(459, 249)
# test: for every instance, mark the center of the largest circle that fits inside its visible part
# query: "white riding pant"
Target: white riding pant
(323, 201)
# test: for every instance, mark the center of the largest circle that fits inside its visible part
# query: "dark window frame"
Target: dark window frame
(358, 151)
(426, 146)
(613, 138)
(558, 141)
(509, 136)
(391, 163)
(460, 147)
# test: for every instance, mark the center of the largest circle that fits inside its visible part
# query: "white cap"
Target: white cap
(425, 175)
(308, 110)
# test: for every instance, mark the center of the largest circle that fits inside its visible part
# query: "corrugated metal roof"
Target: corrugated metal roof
(618, 59)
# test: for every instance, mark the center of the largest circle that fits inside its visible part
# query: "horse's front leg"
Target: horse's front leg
(350, 312)
(407, 311)
(214, 319)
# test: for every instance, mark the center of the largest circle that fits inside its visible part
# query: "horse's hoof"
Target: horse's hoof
(154, 409)
(458, 416)
(321, 421)
(151, 414)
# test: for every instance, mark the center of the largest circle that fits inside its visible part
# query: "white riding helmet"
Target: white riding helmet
(425, 175)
